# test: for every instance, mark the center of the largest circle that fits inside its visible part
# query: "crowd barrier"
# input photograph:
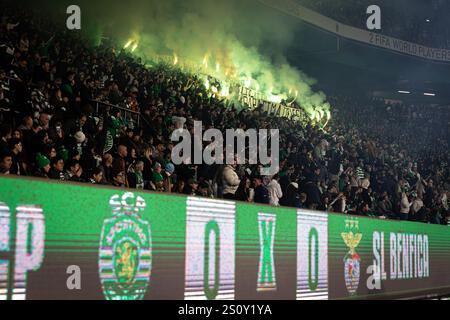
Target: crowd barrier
(74, 241)
(128, 115)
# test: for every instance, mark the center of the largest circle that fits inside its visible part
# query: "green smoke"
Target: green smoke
(242, 38)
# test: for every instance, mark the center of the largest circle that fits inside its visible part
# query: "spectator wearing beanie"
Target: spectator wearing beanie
(157, 178)
(169, 178)
(42, 166)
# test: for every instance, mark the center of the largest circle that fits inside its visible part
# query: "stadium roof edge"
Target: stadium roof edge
(378, 40)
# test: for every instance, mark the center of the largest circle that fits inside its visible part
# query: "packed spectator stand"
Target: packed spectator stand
(73, 112)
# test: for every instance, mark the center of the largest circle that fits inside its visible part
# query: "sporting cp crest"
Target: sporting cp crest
(352, 260)
(125, 258)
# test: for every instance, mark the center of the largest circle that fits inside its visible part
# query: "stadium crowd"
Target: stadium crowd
(374, 159)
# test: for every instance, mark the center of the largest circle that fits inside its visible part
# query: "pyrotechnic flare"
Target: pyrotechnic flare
(292, 101)
(225, 91)
(240, 47)
(205, 61)
(328, 113)
(128, 44)
(320, 112)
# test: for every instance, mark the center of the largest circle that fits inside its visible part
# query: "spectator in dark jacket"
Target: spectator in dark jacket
(261, 192)
(57, 170)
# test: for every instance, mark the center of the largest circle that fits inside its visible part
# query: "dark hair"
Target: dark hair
(87, 110)
(4, 155)
(12, 143)
(204, 184)
(116, 172)
(56, 159)
(5, 129)
(96, 171)
(72, 163)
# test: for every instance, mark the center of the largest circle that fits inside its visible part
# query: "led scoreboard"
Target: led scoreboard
(131, 246)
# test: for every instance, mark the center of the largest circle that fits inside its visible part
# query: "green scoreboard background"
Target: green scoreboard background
(70, 241)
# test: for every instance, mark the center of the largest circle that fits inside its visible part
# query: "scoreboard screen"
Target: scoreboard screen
(70, 241)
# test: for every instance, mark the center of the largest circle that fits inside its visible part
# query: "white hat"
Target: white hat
(295, 185)
(365, 184)
(80, 137)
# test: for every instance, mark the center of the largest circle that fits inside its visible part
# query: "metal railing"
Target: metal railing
(128, 114)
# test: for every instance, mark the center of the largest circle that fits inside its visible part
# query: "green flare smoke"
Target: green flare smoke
(245, 37)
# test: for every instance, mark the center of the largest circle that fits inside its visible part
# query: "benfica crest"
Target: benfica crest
(352, 260)
(125, 256)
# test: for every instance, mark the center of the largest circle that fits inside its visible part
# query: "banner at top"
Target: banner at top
(376, 39)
